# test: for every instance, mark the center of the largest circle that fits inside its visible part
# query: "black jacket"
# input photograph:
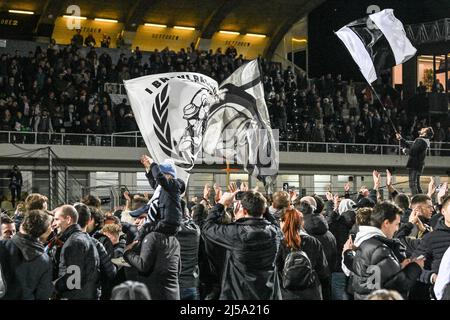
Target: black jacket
(169, 199)
(317, 226)
(340, 226)
(312, 247)
(27, 269)
(15, 179)
(433, 246)
(158, 264)
(189, 238)
(381, 253)
(78, 250)
(251, 245)
(417, 153)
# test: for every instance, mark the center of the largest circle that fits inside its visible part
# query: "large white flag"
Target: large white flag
(377, 42)
(171, 110)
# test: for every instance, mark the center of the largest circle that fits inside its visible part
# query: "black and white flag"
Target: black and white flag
(188, 118)
(376, 43)
(238, 127)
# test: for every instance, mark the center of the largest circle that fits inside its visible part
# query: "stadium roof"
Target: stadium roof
(270, 17)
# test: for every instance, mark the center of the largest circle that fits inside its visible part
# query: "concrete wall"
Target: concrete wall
(123, 159)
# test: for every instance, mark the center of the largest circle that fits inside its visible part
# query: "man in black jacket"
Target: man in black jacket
(15, 184)
(251, 243)
(158, 264)
(378, 262)
(26, 267)
(79, 264)
(107, 269)
(416, 160)
(434, 244)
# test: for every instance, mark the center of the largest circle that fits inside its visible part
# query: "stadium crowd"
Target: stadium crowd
(58, 89)
(235, 245)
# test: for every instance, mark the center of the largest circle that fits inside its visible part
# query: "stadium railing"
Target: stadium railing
(134, 139)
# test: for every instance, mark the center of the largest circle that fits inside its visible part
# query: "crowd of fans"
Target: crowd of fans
(236, 245)
(58, 89)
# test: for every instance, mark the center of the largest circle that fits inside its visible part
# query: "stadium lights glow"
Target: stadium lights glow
(299, 40)
(256, 35)
(75, 17)
(155, 25)
(229, 32)
(184, 28)
(106, 20)
(21, 11)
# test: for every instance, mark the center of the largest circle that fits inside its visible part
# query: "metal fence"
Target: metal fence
(135, 140)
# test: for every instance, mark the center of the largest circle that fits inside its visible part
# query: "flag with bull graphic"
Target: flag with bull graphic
(187, 117)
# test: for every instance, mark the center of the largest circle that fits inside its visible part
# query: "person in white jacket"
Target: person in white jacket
(443, 277)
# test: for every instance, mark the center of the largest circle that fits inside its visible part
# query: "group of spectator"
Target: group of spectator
(58, 89)
(236, 245)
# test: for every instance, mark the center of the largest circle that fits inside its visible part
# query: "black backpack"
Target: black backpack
(298, 273)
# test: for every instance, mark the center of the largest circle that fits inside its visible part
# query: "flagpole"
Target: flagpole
(382, 105)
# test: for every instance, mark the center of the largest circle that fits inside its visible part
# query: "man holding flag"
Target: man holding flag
(377, 43)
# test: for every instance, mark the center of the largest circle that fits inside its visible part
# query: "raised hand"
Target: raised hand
(388, 178)
(244, 186)
(206, 192)
(442, 192)
(347, 187)
(227, 199)
(126, 195)
(329, 196)
(431, 187)
(232, 187)
(376, 179)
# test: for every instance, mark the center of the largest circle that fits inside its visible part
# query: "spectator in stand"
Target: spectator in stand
(90, 41)
(77, 39)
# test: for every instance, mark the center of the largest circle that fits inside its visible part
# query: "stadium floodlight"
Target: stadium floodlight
(229, 32)
(74, 17)
(155, 25)
(184, 28)
(256, 35)
(106, 20)
(21, 11)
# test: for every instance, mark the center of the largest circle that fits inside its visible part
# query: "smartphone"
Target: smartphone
(239, 195)
(286, 187)
(421, 257)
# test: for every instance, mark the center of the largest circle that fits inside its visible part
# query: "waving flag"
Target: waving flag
(171, 111)
(238, 127)
(376, 43)
(187, 117)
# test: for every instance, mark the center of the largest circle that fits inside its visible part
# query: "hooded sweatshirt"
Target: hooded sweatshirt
(346, 205)
(27, 268)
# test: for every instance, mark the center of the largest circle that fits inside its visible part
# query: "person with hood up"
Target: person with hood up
(416, 159)
(26, 267)
(340, 218)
